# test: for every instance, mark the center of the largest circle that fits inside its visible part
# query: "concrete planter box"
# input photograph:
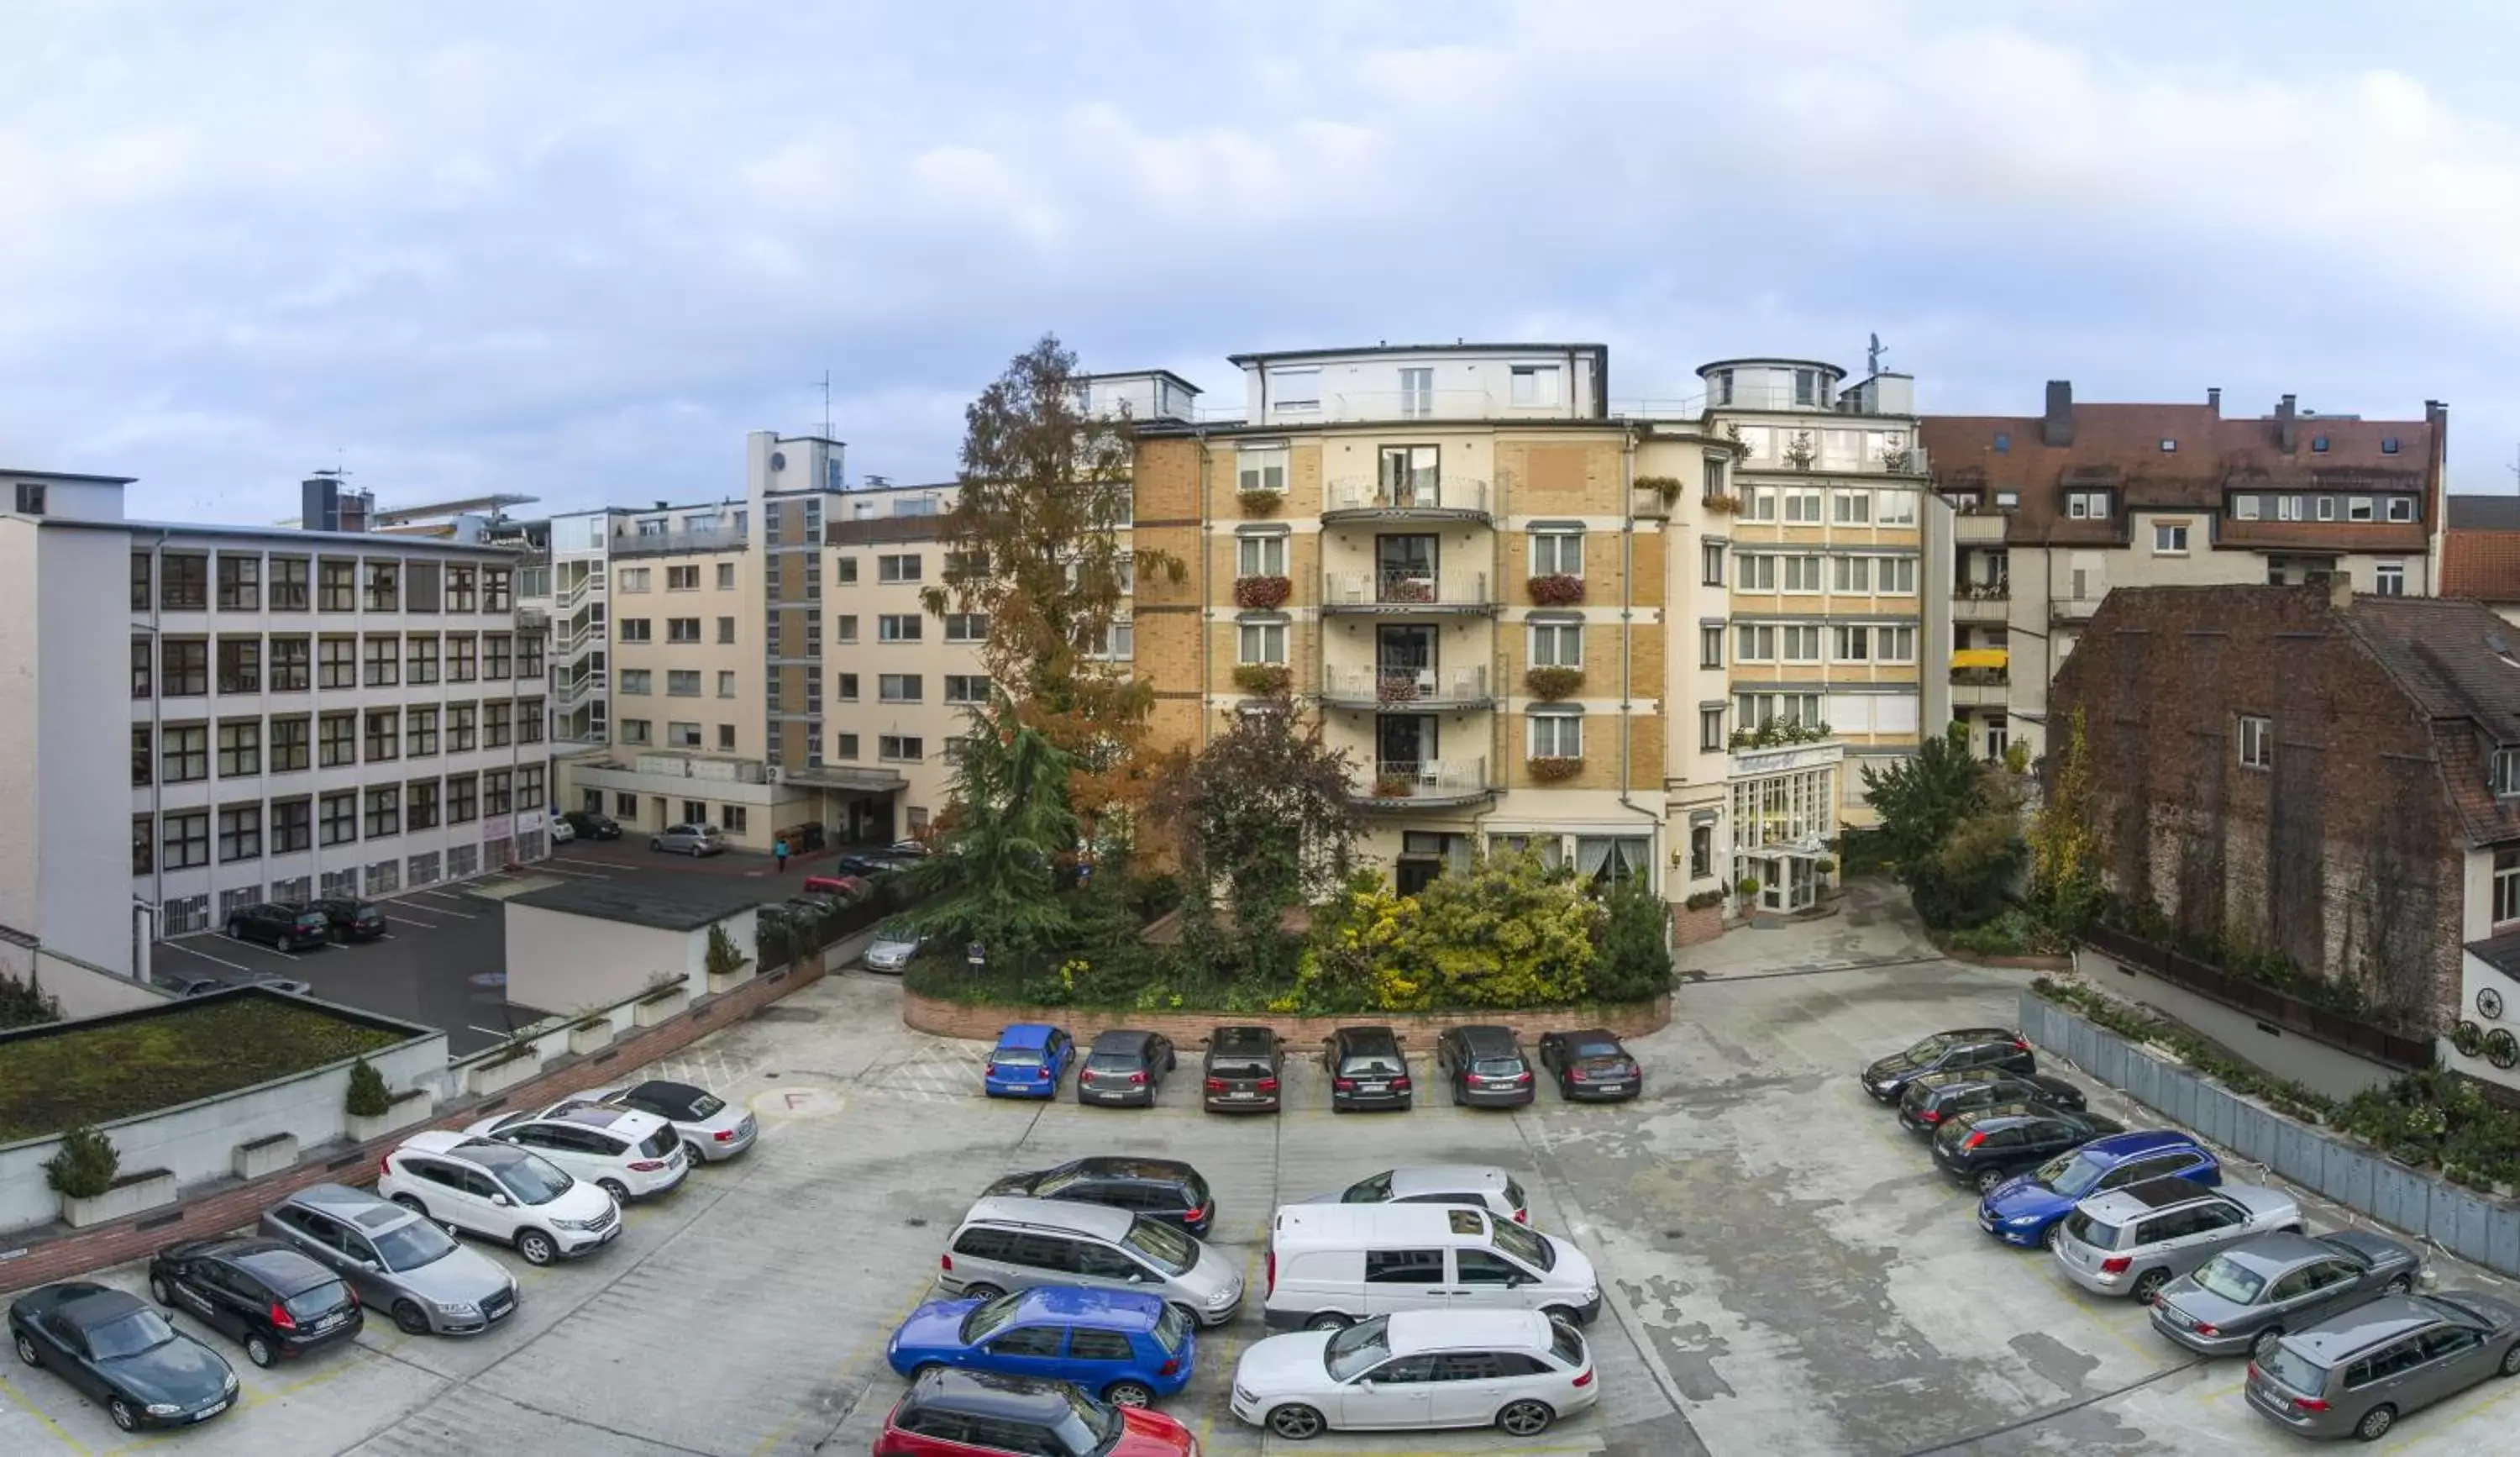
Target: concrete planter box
(483, 1080)
(658, 1011)
(722, 982)
(265, 1155)
(408, 1109)
(586, 1039)
(132, 1194)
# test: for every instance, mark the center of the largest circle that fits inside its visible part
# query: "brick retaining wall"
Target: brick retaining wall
(1418, 1032)
(44, 1259)
(1696, 928)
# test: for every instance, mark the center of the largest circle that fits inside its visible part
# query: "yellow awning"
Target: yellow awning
(1993, 657)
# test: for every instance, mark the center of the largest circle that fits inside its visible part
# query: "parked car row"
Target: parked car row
(306, 924)
(1243, 1067)
(548, 1183)
(2339, 1342)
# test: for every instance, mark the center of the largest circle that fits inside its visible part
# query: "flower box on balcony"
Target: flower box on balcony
(1721, 505)
(1258, 502)
(1396, 688)
(1550, 769)
(1554, 683)
(1264, 679)
(1556, 589)
(1408, 589)
(1664, 489)
(1394, 786)
(1258, 594)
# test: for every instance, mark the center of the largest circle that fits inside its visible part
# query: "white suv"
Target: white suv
(499, 1192)
(627, 1154)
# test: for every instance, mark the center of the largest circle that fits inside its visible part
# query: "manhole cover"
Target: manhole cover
(1670, 1234)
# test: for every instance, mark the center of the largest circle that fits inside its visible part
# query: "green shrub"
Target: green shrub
(1704, 898)
(1748, 886)
(85, 1164)
(1634, 958)
(369, 1097)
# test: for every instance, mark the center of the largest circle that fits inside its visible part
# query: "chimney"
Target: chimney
(319, 504)
(2058, 429)
(2287, 424)
(2214, 401)
(2340, 589)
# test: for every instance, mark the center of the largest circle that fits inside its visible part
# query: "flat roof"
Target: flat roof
(1457, 346)
(371, 540)
(1715, 364)
(1141, 374)
(18, 475)
(684, 903)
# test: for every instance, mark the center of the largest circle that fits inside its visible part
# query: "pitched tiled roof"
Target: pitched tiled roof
(2483, 564)
(2459, 665)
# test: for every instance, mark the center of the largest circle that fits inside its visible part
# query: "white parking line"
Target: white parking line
(574, 860)
(205, 955)
(439, 910)
(403, 921)
(241, 941)
(399, 905)
(547, 868)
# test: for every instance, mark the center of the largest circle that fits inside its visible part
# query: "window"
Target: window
(2389, 579)
(1759, 503)
(1258, 556)
(420, 666)
(384, 662)
(1756, 572)
(1535, 384)
(420, 804)
(1710, 563)
(1802, 574)
(725, 630)
(1403, 1266)
(30, 498)
(897, 569)
(682, 629)
(337, 663)
(420, 738)
(496, 795)
(1756, 709)
(184, 752)
(1556, 644)
(1802, 505)
(683, 579)
(184, 668)
(293, 826)
(1710, 728)
(1295, 388)
(460, 594)
(2358, 509)
(463, 800)
(638, 681)
(140, 582)
(2287, 508)
(385, 586)
(463, 659)
(183, 584)
(385, 735)
(726, 745)
(633, 731)
(2087, 505)
(240, 664)
(899, 688)
(848, 627)
(185, 841)
(683, 682)
(2507, 885)
(848, 688)
(239, 748)
(967, 687)
(292, 744)
(2402, 508)
(1807, 387)
(908, 749)
(1262, 643)
(848, 570)
(419, 586)
(897, 627)
(725, 682)
(682, 735)
(2326, 507)
(337, 741)
(1854, 644)
(142, 668)
(1894, 508)
(494, 657)
(1710, 645)
(240, 583)
(1801, 642)
(499, 589)
(384, 811)
(2168, 445)
(494, 725)
(1557, 736)
(636, 630)
(1854, 507)
(631, 578)
(460, 727)
(1754, 642)
(2257, 743)
(847, 746)
(2505, 774)
(1854, 574)
(2245, 508)
(2170, 538)
(340, 817)
(337, 584)
(966, 627)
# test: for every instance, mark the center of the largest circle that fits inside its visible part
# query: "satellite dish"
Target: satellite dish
(779, 460)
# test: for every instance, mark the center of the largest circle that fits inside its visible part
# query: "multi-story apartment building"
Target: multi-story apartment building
(902, 676)
(310, 712)
(2058, 508)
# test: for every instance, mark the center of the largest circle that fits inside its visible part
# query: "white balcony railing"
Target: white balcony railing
(1405, 589)
(1444, 495)
(1402, 781)
(1405, 687)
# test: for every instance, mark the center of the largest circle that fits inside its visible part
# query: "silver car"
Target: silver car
(2136, 1239)
(2358, 1372)
(892, 947)
(694, 841)
(711, 1128)
(1008, 1243)
(2247, 1297)
(1487, 1187)
(397, 1262)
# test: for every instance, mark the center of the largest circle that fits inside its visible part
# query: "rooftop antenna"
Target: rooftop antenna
(827, 405)
(1873, 355)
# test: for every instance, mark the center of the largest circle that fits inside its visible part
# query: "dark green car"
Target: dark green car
(120, 1355)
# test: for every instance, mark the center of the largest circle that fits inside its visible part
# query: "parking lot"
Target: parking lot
(1783, 1270)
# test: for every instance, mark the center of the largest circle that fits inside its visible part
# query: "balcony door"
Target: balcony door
(1404, 567)
(1404, 743)
(1406, 653)
(1408, 475)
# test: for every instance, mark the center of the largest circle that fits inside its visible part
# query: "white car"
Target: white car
(499, 1192)
(1480, 1185)
(1514, 1370)
(621, 1151)
(561, 830)
(712, 1129)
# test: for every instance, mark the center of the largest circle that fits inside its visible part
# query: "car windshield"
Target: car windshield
(1376, 1190)
(2098, 1234)
(1565, 1345)
(2071, 1175)
(1497, 1067)
(1018, 1056)
(1162, 1246)
(1523, 1245)
(1370, 1063)
(1598, 1050)
(532, 1179)
(2295, 1370)
(1115, 1062)
(1358, 1350)
(129, 1336)
(408, 1246)
(2233, 1282)
(895, 933)
(1931, 1048)
(1049, 1184)
(984, 1322)
(1239, 1066)
(1085, 1427)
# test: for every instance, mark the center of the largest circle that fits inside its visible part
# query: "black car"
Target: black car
(586, 824)
(286, 927)
(866, 866)
(1987, 1147)
(1125, 1068)
(1991, 1048)
(351, 919)
(119, 1354)
(1591, 1065)
(1243, 1070)
(189, 983)
(1485, 1067)
(274, 1300)
(1366, 1069)
(1160, 1189)
(1934, 1097)
(1005, 1414)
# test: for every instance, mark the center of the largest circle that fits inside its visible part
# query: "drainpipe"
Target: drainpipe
(1627, 641)
(1206, 478)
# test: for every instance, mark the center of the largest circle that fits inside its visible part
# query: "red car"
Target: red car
(950, 1413)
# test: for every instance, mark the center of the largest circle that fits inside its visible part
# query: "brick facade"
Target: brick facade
(1417, 1032)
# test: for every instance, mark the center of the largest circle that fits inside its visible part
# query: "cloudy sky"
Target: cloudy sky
(576, 250)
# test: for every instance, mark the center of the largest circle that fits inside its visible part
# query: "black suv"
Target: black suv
(1937, 1096)
(283, 926)
(1991, 1048)
(273, 1301)
(589, 825)
(1125, 1068)
(1160, 1189)
(1242, 1072)
(1485, 1067)
(1987, 1147)
(1366, 1069)
(352, 920)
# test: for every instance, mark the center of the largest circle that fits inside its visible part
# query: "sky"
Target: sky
(575, 251)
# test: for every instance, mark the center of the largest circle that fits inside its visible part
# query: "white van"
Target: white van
(1331, 1265)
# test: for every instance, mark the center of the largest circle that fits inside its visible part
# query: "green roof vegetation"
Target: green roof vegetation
(67, 1077)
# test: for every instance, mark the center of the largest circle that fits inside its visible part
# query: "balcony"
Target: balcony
(1365, 498)
(1980, 527)
(1423, 784)
(2076, 609)
(1980, 687)
(1405, 689)
(1406, 593)
(667, 543)
(1978, 603)
(577, 690)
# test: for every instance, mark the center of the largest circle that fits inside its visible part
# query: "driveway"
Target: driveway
(1785, 1272)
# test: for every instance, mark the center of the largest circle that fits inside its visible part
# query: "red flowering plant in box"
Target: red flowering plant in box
(1259, 594)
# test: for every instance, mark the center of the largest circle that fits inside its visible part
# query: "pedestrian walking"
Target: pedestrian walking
(781, 850)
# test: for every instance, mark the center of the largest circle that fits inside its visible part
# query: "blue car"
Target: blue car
(1126, 1347)
(1029, 1060)
(2026, 1210)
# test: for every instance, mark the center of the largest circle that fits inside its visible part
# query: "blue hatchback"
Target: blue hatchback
(1126, 1347)
(1029, 1060)
(2026, 1210)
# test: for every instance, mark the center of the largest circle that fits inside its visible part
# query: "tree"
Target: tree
(85, 1165)
(1634, 962)
(1033, 543)
(2067, 848)
(1950, 830)
(724, 958)
(1262, 813)
(25, 1004)
(995, 878)
(368, 1097)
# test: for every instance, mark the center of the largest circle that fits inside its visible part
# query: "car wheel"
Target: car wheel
(411, 1203)
(2149, 1285)
(536, 1247)
(2510, 1360)
(160, 1292)
(981, 1291)
(1188, 1316)
(1525, 1418)
(123, 1417)
(2376, 1422)
(1564, 1316)
(2262, 1347)
(1296, 1423)
(1128, 1393)
(2398, 1285)
(258, 1350)
(655, 845)
(410, 1319)
(2047, 1236)
(236, 930)
(695, 1153)
(1326, 1320)
(1988, 1178)
(619, 1191)
(27, 1351)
